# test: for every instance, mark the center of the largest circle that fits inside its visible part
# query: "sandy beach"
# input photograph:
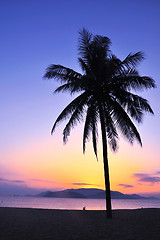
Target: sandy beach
(37, 224)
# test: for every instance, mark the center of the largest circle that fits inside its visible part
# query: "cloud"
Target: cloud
(41, 180)
(147, 178)
(15, 187)
(150, 179)
(17, 181)
(20, 187)
(140, 175)
(11, 181)
(125, 185)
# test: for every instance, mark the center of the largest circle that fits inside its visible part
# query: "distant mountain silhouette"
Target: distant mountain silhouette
(91, 193)
(62, 194)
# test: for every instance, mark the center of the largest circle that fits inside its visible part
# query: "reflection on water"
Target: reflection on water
(75, 204)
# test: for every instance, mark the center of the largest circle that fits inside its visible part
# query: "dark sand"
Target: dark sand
(37, 224)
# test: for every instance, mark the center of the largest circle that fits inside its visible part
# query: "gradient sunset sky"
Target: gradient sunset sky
(37, 33)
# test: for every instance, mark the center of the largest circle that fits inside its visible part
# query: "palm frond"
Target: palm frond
(140, 83)
(133, 59)
(130, 79)
(87, 130)
(111, 130)
(69, 110)
(84, 66)
(76, 117)
(135, 105)
(84, 41)
(124, 123)
(91, 127)
(94, 136)
(113, 67)
(70, 87)
(62, 73)
(101, 43)
(142, 103)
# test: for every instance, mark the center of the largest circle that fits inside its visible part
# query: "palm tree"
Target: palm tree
(105, 96)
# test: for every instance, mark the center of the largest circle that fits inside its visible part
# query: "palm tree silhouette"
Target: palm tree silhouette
(105, 96)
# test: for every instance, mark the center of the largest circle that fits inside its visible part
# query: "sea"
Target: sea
(76, 203)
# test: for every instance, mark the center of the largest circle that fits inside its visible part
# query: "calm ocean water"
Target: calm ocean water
(75, 204)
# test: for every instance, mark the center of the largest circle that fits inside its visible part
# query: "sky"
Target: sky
(37, 33)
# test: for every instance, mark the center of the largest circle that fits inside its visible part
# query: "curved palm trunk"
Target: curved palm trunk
(106, 166)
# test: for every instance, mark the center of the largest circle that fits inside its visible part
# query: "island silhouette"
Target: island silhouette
(90, 193)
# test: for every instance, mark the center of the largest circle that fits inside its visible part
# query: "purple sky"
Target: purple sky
(36, 33)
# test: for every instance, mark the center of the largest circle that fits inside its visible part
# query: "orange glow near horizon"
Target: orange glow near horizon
(50, 165)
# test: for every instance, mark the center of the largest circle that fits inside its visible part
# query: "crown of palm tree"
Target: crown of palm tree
(107, 83)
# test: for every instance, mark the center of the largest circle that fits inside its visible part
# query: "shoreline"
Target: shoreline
(38, 224)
